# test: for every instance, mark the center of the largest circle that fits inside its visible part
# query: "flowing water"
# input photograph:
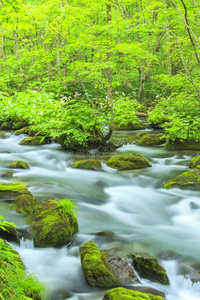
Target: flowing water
(143, 216)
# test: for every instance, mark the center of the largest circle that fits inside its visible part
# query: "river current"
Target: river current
(143, 216)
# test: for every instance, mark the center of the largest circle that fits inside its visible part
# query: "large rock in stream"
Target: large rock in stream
(187, 180)
(128, 161)
(146, 139)
(148, 267)
(9, 191)
(125, 294)
(104, 270)
(53, 223)
(182, 145)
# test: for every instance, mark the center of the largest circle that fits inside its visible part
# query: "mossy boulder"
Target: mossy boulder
(132, 126)
(33, 141)
(182, 145)
(87, 164)
(10, 234)
(128, 161)
(148, 267)
(12, 190)
(147, 139)
(95, 266)
(125, 294)
(195, 162)
(25, 204)
(51, 224)
(189, 179)
(19, 165)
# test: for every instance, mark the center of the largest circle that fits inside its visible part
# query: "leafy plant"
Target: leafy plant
(14, 282)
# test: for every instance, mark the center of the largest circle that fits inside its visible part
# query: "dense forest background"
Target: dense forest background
(69, 67)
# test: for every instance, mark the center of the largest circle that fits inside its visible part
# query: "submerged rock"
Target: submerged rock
(25, 204)
(33, 141)
(128, 161)
(125, 294)
(19, 165)
(148, 267)
(189, 179)
(95, 266)
(195, 162)
(53, 223)
(87, 164)
(12, 190)
(146, 139)
(182, 145)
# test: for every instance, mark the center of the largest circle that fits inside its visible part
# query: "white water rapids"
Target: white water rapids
(143, 216)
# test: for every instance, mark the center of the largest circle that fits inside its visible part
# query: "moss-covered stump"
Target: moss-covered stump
(136, 126)
(128, 161)
(25, 204)
(12, 190)
(189, 179)
(33, 141)
(182, 145)
(125, 294)
(146, 139)
(95, 266)
(19, 165)
(87, 164)
(52, 223)
(6, 126)
(148, 267)
(195, 162)
(10, 234)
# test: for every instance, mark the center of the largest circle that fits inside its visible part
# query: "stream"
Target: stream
(132, 204)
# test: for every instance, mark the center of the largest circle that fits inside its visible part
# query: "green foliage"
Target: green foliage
(179, 115)
(53, 118)
(14, 282)
(125, 111)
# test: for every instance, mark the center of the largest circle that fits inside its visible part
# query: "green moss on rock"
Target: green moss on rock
(95, 266)
(189, 179)
(128, 161)
(125, 294)
(33, 141)
(148, 267)
(12, 190)
(87, 164)
(24, 130)
(19, 165)
(182, 145)
(146, 139)
(25, 204)
(51, 224)
(195, 162)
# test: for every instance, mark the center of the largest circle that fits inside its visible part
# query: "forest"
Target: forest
(79, 73)
(99, 59)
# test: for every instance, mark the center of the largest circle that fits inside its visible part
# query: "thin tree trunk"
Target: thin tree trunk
(148, 67)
